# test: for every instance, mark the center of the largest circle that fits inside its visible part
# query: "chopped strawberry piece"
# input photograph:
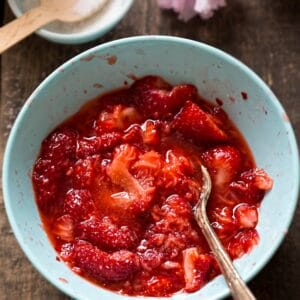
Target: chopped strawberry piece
(104, 233)
(258, 178)
(78, 204)
(45, 176)
(87, 147)
(114, 267)
(94, 145)
(223, 163)
(126, 154)
(139, 89)
(63, 228)
(109, 140)
(119, 119)
(133, 134)
(179, 162)
(172, 231)
(150, 133)
(176, 210)
(246, 216)
(57, 153)
(60, 144)
(175, 172)
(194, 123)
(223, 222)
(171, 265)
(183, 92)
(66, 252)
(196, 269)
(156, 99)
(139, 190)
(150, 259)
(149, 162)
(161, 285)
(118, 170)
(252, 186)
(127, 117)
(85, 170)
(145, 170)
(242, 243)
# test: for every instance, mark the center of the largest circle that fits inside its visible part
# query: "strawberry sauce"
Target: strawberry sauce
(116, 183)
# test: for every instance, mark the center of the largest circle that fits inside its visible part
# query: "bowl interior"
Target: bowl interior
(260, 118)
(84, 31)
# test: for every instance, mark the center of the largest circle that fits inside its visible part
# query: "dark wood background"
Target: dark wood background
(265, 34)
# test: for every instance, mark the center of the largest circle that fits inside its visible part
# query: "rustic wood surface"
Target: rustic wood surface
(265, 34)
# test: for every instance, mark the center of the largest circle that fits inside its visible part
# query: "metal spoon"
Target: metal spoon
(47, 12)
(239, 289)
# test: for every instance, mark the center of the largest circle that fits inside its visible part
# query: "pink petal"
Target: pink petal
(206, 8)
(187, 9)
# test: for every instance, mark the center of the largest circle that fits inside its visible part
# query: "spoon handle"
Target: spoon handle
(23, 26)
(238, 288)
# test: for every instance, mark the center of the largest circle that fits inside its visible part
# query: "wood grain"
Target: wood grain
(263, 34)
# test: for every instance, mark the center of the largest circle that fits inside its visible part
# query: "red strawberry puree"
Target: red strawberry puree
(115, 185)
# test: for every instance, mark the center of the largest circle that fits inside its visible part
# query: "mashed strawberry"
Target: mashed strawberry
(116, 183)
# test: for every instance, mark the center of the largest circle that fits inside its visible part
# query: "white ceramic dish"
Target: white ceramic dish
(85, 31)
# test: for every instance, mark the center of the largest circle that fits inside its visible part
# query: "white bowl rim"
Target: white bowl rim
(74, 37)
(160, 38)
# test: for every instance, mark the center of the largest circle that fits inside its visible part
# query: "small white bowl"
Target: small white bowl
(80, 32)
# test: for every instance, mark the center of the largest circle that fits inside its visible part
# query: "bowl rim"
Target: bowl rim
(70, 38)
(140, 39)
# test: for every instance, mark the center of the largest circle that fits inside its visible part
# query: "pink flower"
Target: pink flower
(189, 8)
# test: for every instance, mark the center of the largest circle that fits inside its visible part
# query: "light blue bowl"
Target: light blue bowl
(96, 26)
(261, 119)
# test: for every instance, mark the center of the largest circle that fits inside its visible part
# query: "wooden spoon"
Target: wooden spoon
(239, 289)
(48, 11)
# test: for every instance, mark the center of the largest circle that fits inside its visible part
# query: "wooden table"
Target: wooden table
(265, 34)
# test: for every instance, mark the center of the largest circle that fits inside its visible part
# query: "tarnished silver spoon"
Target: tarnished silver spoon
(239, 289)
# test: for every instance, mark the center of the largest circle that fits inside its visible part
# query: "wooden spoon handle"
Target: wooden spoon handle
(238, 288)
(20, 28)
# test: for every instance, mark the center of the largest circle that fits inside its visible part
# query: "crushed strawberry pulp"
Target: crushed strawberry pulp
(116, 183)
